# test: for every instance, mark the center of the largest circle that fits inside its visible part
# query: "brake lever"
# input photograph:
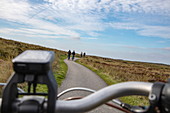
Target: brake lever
(134, 109)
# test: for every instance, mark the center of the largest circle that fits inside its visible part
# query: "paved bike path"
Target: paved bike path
(80, 76)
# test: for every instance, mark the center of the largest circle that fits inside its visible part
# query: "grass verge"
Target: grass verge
(105, 77)
(60, 73)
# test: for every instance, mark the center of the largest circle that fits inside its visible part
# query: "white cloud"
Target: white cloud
(66, 17)
(147, 6)
(156, 31)
(21, 12)
(14, 10)
(86, 15)
(127, 26)
(39, 17)
(144, 30)
(44, 33)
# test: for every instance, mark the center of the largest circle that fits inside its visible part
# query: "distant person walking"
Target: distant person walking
(69, 54)
(73, 54)
(81, 55)
(84, 54)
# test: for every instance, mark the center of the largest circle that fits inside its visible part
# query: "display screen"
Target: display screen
(34, 56)
(33, 62)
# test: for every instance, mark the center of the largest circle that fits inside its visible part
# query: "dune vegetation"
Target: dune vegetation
(115, 71)
(121, 70)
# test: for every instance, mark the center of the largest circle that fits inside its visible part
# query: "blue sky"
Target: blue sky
(137, 30)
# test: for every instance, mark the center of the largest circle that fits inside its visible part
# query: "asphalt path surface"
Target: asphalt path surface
(80, 76)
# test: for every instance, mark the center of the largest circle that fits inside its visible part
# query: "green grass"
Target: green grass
(62, 70)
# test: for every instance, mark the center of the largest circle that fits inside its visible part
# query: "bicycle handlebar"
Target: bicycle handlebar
(102, 96)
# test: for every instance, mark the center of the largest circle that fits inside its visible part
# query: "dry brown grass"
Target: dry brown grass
(6, 70)
(115, 71)
(121, 70)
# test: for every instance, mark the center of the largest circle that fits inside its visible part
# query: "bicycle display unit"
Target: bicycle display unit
(35, 67)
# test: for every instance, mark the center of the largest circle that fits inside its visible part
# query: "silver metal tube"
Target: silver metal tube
(116, 102)
(2, 84)
(19, 89)
(84, 89)
(102, 96)
(75, 89)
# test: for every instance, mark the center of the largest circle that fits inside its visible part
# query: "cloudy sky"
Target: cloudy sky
(136, 30)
